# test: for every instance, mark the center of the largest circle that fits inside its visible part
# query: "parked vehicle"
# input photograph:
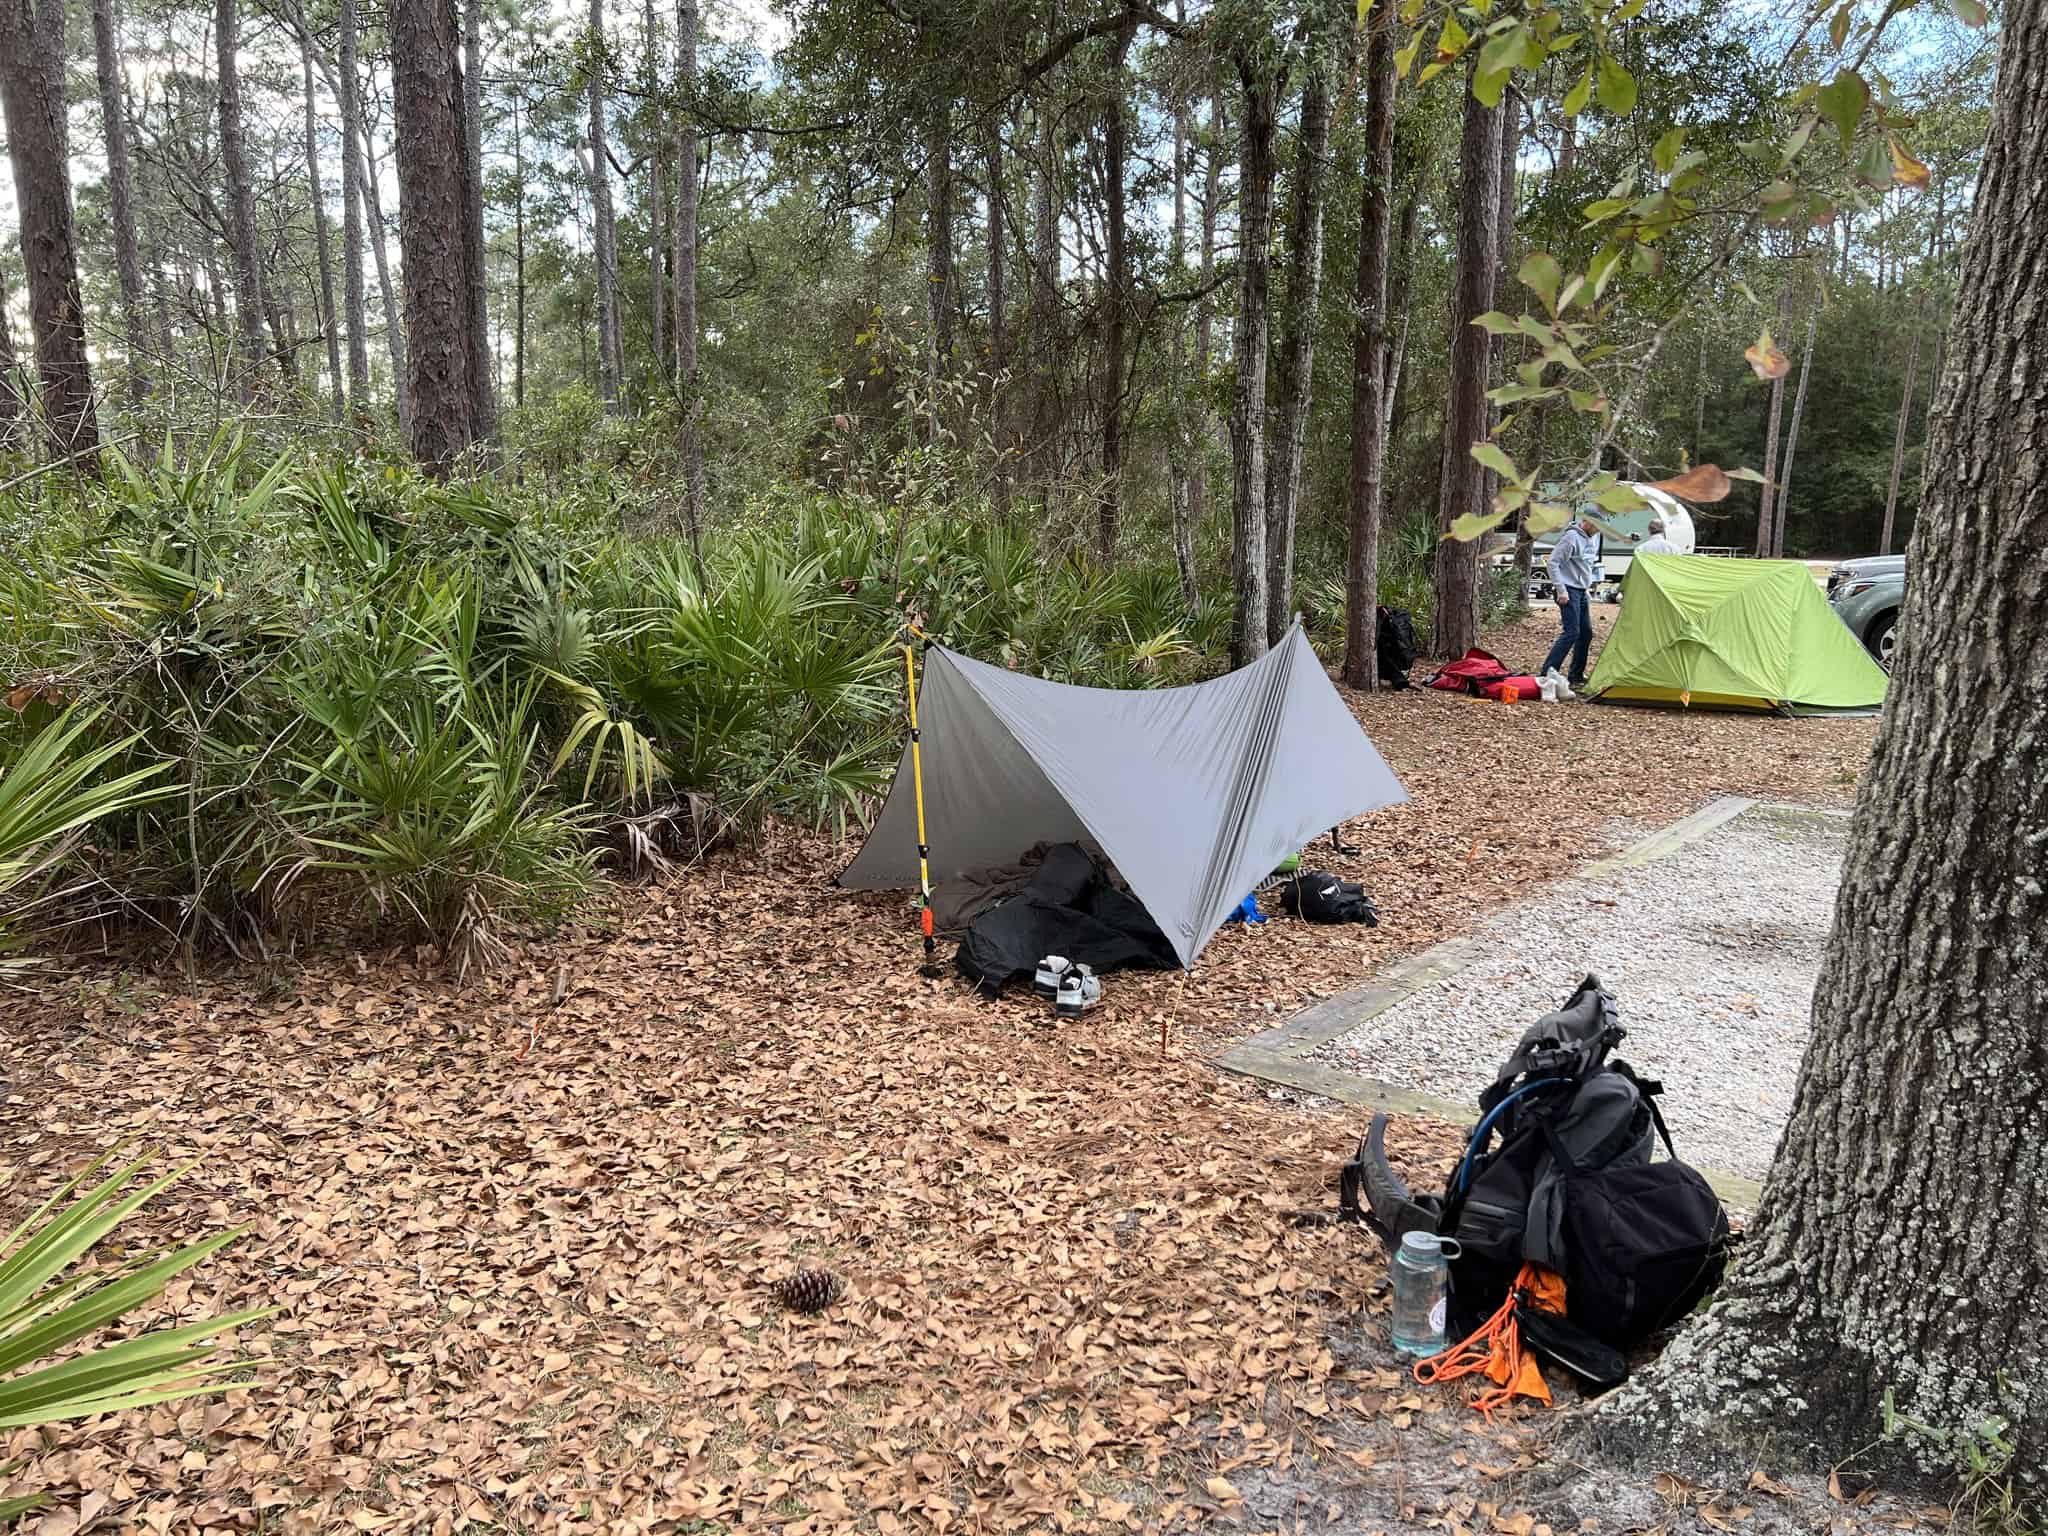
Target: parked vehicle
(1846, 572)
(1618, 539)
(1867, 595)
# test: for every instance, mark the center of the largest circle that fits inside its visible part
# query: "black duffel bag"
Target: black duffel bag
(1323, 898)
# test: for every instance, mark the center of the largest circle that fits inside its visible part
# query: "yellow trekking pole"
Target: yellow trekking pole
(905, 637)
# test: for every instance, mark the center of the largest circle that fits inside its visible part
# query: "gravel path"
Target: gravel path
(1711, 953)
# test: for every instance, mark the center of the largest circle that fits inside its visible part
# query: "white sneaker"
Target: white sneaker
(1079, 990)
(1046, 980)
(1564, 688)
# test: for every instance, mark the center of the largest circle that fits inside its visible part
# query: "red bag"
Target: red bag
(1525, 688)
(1471, 673)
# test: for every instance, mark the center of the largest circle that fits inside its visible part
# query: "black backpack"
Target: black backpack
(1323, 898)
(1394, 643)
(1558, 1171)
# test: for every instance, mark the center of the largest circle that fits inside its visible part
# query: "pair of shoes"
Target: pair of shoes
(1556, 687)
(1079, 990)
(1045, 981)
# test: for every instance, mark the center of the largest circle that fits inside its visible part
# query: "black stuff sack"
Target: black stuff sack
(1323, 898)
(1644, 1245)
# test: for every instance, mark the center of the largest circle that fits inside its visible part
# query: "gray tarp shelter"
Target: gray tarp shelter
(1194, 793)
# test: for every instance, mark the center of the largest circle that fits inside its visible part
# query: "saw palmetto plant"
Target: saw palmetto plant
(53, 1297)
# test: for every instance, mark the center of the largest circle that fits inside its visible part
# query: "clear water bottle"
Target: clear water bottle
(1422, 1290)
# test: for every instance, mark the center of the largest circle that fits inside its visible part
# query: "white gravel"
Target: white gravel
(1711, 953)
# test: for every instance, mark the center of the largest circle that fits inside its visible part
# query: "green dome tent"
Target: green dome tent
(1732, 634)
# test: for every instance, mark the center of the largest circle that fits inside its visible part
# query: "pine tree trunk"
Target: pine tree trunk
(1257, 170)
(121, 194)
(518, 253)
(998, 337)
(1045, 320)
(394, 309)
(352, 286)
(1784, 499)
(1400, 278)
(688, 380)
(605, 235)
(938, 292)
(1297, 337)
(485, 408)
(1369, 363)
(30, 77)
(426, 84)
(1462, 482)
(1766, 507)
(657, 202)
(12, 403)
(1900, 1253)
(328, 320)
(1181, 447)
(250, 304)
(1203, 426)
(1503, 256)
(1891, 492)
(1116, 301)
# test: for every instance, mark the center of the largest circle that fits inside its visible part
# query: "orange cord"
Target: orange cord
(1494, 1349)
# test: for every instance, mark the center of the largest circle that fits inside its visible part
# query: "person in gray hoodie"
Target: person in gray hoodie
(1574, 567)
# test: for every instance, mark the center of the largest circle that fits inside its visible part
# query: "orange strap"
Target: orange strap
(1495, 1349)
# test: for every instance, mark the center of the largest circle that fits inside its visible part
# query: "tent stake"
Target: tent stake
(930, 968)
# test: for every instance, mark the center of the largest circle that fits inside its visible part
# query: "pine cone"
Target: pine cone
(809, 1290)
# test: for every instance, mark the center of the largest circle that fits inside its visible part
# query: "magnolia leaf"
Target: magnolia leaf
(1502, 51)
(1631, 10)
(1874, 166)
(1515, 394)
(1540, 274)
(1545, 517)
(1576, 99)
(1452, 41)
(1701, 483)
(1747, 474)
(1411, 10)
(1509, 500)
(1494, 323)
(1531, 373)
(1364, 12)
(1622, 498)
(1841, 102)
(1906, 171)
(1604, 265)
(1488, 86)
(1796, 145)
(1404, 59)
(1470, 525)
(1603, 210)
(1569, 294)
(1820, 211)
(1617, 87)
(1586, 400)
(1838, 25)
(1971, 13)
(1764, 358)
(1645, 261)
(1664, 155)
(1495, 458)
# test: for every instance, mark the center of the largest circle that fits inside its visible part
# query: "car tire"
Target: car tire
(1883, 639)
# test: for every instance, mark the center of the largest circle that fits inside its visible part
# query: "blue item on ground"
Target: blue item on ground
(1247, 911)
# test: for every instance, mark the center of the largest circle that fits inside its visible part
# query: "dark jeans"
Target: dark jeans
(1575, 634)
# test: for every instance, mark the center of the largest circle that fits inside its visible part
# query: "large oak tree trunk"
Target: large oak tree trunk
(1369, 360)
(1901, 1247)
(1257, 169)
(31, 96)
(121, 193)
(1297, 336)
(1462, 485)
(427, 99)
